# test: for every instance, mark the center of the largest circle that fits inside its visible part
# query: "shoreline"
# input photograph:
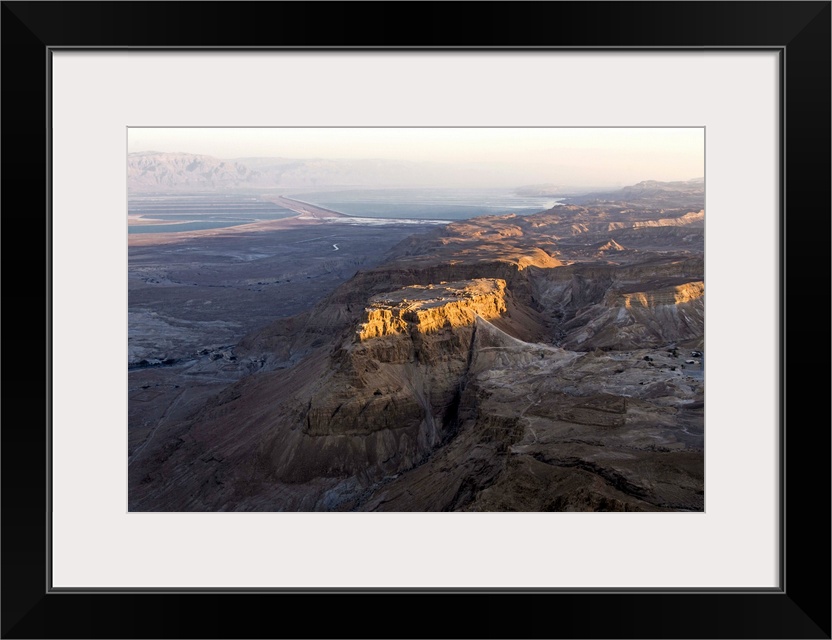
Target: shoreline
(173, 237)
(306, 214)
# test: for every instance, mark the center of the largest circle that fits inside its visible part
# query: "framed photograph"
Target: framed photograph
(705, 123)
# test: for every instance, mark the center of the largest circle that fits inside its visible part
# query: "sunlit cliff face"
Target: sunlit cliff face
(671, 295)
(431, 308)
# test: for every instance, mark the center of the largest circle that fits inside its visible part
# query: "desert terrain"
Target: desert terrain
(543, 362)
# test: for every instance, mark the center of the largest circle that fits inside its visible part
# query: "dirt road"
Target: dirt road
(305, 209)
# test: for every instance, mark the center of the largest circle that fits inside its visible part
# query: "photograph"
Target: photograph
(453, 264)
(416, 319)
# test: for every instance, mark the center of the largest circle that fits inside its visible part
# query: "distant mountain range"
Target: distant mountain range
(152, 171)
(648, 189)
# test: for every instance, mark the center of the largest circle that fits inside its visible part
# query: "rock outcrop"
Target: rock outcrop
(647, 298)
(390, 397)
(427, 309)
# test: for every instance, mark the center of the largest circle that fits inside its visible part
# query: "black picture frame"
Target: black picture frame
(799, 31)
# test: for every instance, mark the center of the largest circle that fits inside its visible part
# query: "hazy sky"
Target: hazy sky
(574, 156)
